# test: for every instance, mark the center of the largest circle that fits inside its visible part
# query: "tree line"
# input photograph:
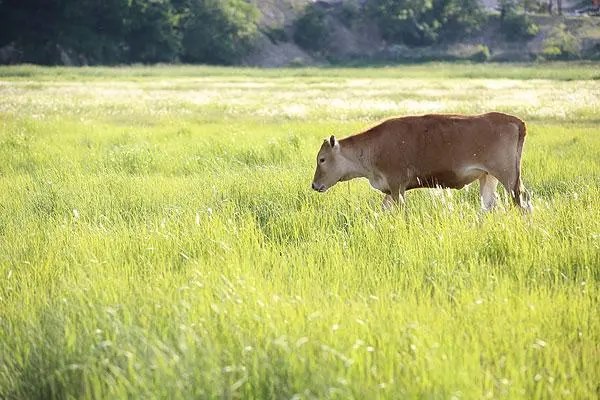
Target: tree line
(125, 31)
(223, 31)
(418, 22)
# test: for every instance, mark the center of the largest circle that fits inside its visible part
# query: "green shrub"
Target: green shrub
(421, 23)
(351, 11)
(403, 21)
(458, 18)
(152, 34)
(128, 31)
(277, 35)
(310, 30)
(517, 26)
(561, 45)
(218, 31)
(593, 53)
(482, 53)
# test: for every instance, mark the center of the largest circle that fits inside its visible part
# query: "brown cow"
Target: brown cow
(448, 151)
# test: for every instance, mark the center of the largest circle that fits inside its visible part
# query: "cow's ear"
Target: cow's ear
(333, 142)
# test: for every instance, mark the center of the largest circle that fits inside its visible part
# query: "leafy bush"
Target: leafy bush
(218, 31)
(277, 35)
(561, 45)
(402, 21)
(88, 31)
(425, 22)
(458, 18)
(482, 54)
(351, 11)
(151, 32)
(516, 26)
(123, 31)
(310, 30)
(593, 53)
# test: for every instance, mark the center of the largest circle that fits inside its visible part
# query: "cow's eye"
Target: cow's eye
(321, 160)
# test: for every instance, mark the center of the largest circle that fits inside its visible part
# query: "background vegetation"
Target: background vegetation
(159, 239)
(92, 32)
(416, 22)
(126, 31)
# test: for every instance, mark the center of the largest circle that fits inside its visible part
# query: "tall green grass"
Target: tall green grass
(159, 239)
(583, 70)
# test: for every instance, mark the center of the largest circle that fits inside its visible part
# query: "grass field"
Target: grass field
(159, 239)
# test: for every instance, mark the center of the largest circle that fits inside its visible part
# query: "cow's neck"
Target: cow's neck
(357, 161)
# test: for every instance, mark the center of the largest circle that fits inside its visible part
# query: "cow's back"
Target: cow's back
(446, 150)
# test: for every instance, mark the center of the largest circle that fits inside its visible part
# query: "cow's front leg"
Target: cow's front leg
(487, 192)
(388, 202)
(393, 198)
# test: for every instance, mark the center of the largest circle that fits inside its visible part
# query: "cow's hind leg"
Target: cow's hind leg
(521, 197)
(487, 191)
(513, 185)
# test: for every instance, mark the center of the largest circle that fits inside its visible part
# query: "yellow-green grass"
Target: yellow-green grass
(159, 239)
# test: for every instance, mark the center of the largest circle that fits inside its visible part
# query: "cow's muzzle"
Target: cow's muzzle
(318, 187)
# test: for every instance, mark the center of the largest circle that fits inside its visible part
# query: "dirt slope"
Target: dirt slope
(362, 41)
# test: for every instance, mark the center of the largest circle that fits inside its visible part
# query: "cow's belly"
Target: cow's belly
(380, 183)
(446, 179)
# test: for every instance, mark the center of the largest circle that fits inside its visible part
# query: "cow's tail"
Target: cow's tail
(520, 195)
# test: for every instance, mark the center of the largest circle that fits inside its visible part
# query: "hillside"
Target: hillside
(558, 37)
(273, 33)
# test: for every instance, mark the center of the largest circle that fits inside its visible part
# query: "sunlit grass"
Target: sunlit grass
(213, 97)
(159, 239)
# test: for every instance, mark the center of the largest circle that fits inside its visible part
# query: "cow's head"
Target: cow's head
(329, 165)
